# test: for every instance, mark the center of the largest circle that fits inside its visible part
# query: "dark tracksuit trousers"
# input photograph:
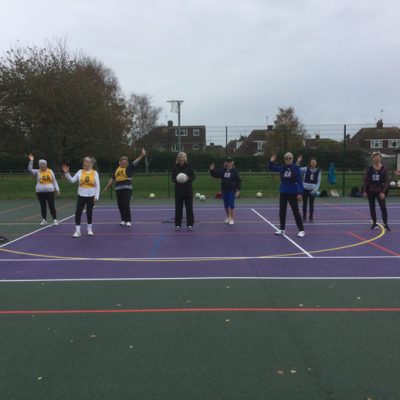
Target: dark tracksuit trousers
(123, 201)
(284, 199)
(308, 196)
(372, 196)
(188, 202)
(44, 199)
(80, 204)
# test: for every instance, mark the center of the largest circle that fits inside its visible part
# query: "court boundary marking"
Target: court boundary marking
(181, 259)
(205, 310)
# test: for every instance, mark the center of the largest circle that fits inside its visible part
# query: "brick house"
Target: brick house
(385, 140)
(165, 138)
(254, 144)
(234, 145)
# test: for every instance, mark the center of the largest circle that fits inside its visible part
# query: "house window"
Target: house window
(196, 132)
(196, 147)
(184, 132)
(394, 143)
(260, 144)
(376, 144)
(160, 147)
(175, 147)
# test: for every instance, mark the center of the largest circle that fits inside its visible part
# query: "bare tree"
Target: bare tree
(144, 118)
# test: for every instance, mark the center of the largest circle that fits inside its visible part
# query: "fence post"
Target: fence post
(226, 141)
(169, 184)
(344, 161)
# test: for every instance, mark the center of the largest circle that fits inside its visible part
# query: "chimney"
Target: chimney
(379, 124)
(170, 124)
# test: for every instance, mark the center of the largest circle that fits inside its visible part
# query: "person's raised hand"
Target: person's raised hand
(273, 158)
(65, 168)
(31, 157)
(212, 167)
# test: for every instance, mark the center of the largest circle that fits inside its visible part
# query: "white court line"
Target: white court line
(284, 235)
(35, 231)
(208, 278)
(27, 260)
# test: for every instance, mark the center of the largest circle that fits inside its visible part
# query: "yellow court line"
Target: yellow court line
(196, 259)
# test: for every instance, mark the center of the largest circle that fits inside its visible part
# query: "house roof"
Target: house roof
(376, 133)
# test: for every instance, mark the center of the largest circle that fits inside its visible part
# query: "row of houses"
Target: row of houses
(193, 139)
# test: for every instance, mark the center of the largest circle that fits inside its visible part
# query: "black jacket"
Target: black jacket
(230, 179)
(183, 189)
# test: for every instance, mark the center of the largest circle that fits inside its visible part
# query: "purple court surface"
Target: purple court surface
(338, 244)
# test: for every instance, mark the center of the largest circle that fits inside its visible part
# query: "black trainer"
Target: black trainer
(374, 226)
(386, 226)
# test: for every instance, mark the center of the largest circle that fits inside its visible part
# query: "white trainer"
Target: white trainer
(177, 228)
(55, 222)
(280, 232)
(231, 222)
(43, 222)
(128, 224)
(90, 232)
(76, 234)
(190, 228)
(301, 234)
(122, 223)
(227, 220)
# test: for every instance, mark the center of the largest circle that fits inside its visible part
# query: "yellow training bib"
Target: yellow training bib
(45, 177)
(120, 175)
(87, 179)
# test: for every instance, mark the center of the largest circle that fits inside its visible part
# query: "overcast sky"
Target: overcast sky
(233, 61)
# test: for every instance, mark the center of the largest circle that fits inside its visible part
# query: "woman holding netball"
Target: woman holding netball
(311, 183)
(122, 177)
(183, 176)
(375, 188)
(46, 185)
(291, 190)
(230, 187)
(88, 193)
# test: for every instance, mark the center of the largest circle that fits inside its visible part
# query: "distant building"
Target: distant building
(234, 145)
(318, 143)
(165, 138)
(380, 138)
(255, 143)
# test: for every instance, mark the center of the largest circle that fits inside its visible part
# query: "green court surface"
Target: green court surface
(200, 355)
(195, 339)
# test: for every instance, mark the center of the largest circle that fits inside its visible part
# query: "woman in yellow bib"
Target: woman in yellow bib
(88, 193)
(46, 185)
(122, 177)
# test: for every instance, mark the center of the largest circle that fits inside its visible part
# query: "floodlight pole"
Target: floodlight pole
(178, 103)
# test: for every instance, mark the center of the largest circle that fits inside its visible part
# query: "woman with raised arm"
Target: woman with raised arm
(311, 183)
(183, 176)
(230, 187)
(291, 190)
(88, 193)
(375, 187)
(122, 177)
(46, 186)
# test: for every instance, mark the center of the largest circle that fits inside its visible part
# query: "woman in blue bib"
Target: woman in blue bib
(291, 190)
(376, 182)
(311, 182)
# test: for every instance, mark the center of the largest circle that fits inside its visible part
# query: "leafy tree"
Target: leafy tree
(60, 105)
(288, 133)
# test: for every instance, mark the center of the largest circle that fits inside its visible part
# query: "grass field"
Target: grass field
(21, 186)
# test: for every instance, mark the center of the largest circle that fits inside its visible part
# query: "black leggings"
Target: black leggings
(382, 204)
(188, 200)
(308, 196)
(47, 197)
(80, 204)
(284, 199)
(123, 201)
